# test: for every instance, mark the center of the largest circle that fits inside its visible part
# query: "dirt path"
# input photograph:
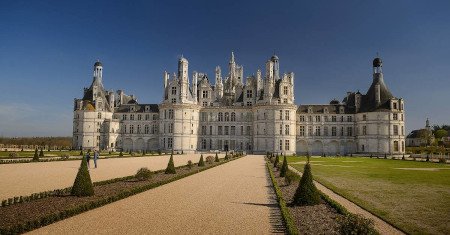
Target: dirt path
(234, 198)
(380, 225)
(27, 178)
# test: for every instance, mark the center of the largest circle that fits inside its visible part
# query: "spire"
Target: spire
(232, 57)
(427, 125)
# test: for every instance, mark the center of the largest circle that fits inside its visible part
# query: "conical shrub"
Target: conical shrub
(36, 156)
(306, 193)
(226, 156)
(201, 162)
(284, 167)
(277, 159)
(217, 158)
(170, 166)
(83, 184)
(41, 154)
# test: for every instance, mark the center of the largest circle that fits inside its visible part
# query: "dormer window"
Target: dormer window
(310, 110)
(325, 110)
(249, 93)
(285, 90)
(341, 109)
(174, 90)
(147, 108)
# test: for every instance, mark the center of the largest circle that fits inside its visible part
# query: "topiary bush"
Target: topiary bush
(143, 174)
(121, 153)
(216, 159)
(41, 153)
(201, 162)
(277, 159)
(210, 159)
(36, 156)
(357, 225)
(226, 156)
(306, 193)
(189, 164)
(284, 167)
(83, 184)
(170, 166)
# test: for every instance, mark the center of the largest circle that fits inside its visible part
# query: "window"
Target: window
(227, 128)
(249, 130)
(349, 118)
(342, 131)
(203, 130)
(302, 131)
(310, 130)
(147, 116)
(155, 117)
(395, 129)
(325, 131)
(403, 130)
(171, 128)
(227, 117)
(169, 142)
(219, 130)
(317, 130)
(333, 131)
(174, 100)
(124, 129)
(233, 130)
(220, 117)
(203, 143)
(286, 131)
(286, 114)
(139, 129)
(131, 129)
(131, 116)
(342, 118)
(285, 90)
(146, 129)
(281, 144)
(281, 114)
(286, 145)
(285, 100)
(364, 117)
(402, 117)
(139, 117)
(249, 103)
(204, 116)
(249, 93)
(310, 118)
(154, 129)
(281, 129)
(349, 131)
(333, 118)
(396, 146)
(317, 118)
(325, 118)
(99, 115)
(395, 116)
(170, 113)
(174, 90)
(242, 130)
(364, 130)
(395, 107)
(302, 118)
(205, 94)
(233, 117)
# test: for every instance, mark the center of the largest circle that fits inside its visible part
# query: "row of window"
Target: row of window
(146, 129)
(138, 116)
(319, 118)
(286, 145)
(225, 130)
(319, 131)
(227, 117)
(207, 144)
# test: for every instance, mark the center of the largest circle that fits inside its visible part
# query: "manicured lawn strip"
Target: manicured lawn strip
(291, 227)
(370, 183)
(52, 218)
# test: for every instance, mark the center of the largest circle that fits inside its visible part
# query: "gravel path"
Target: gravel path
(234, 198)
(27, 178)
(380, 225)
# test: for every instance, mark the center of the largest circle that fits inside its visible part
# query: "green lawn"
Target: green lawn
(417, 201)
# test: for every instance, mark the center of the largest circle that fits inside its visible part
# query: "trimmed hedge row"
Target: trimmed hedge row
(49, 219)
(291, 227)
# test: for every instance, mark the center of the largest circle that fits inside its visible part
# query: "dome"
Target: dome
(274, 57)
(98, 63)
(377, 62)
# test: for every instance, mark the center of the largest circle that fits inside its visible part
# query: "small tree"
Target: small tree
(121, 153)
(41, 153)
(143, 174)
(201, 162)
(217, 158)
(83, 184)
(277, 159)
(226, 156)
(81, 153)
(284, 167)
(170, 166)
(36, 156)
(306, 193)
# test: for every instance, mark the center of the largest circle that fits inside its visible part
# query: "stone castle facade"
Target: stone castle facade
(256, 114)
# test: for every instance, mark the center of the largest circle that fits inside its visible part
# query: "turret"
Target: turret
(166, 79)
(219, 83)
(98, 71)
(112, 99)
(183, 65)
(276, 67)
(259, 83)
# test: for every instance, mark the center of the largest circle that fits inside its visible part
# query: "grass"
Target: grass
(416, 201)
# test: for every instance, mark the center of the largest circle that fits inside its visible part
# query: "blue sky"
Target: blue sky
(48, 48)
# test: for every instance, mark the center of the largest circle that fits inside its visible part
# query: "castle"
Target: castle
(256, 114)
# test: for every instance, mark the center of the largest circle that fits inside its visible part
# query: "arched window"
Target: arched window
(227, 117)
(233, 117)
(220, 119)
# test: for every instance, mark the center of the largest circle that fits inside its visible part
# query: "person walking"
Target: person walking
(88, 158)
(96, 155)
